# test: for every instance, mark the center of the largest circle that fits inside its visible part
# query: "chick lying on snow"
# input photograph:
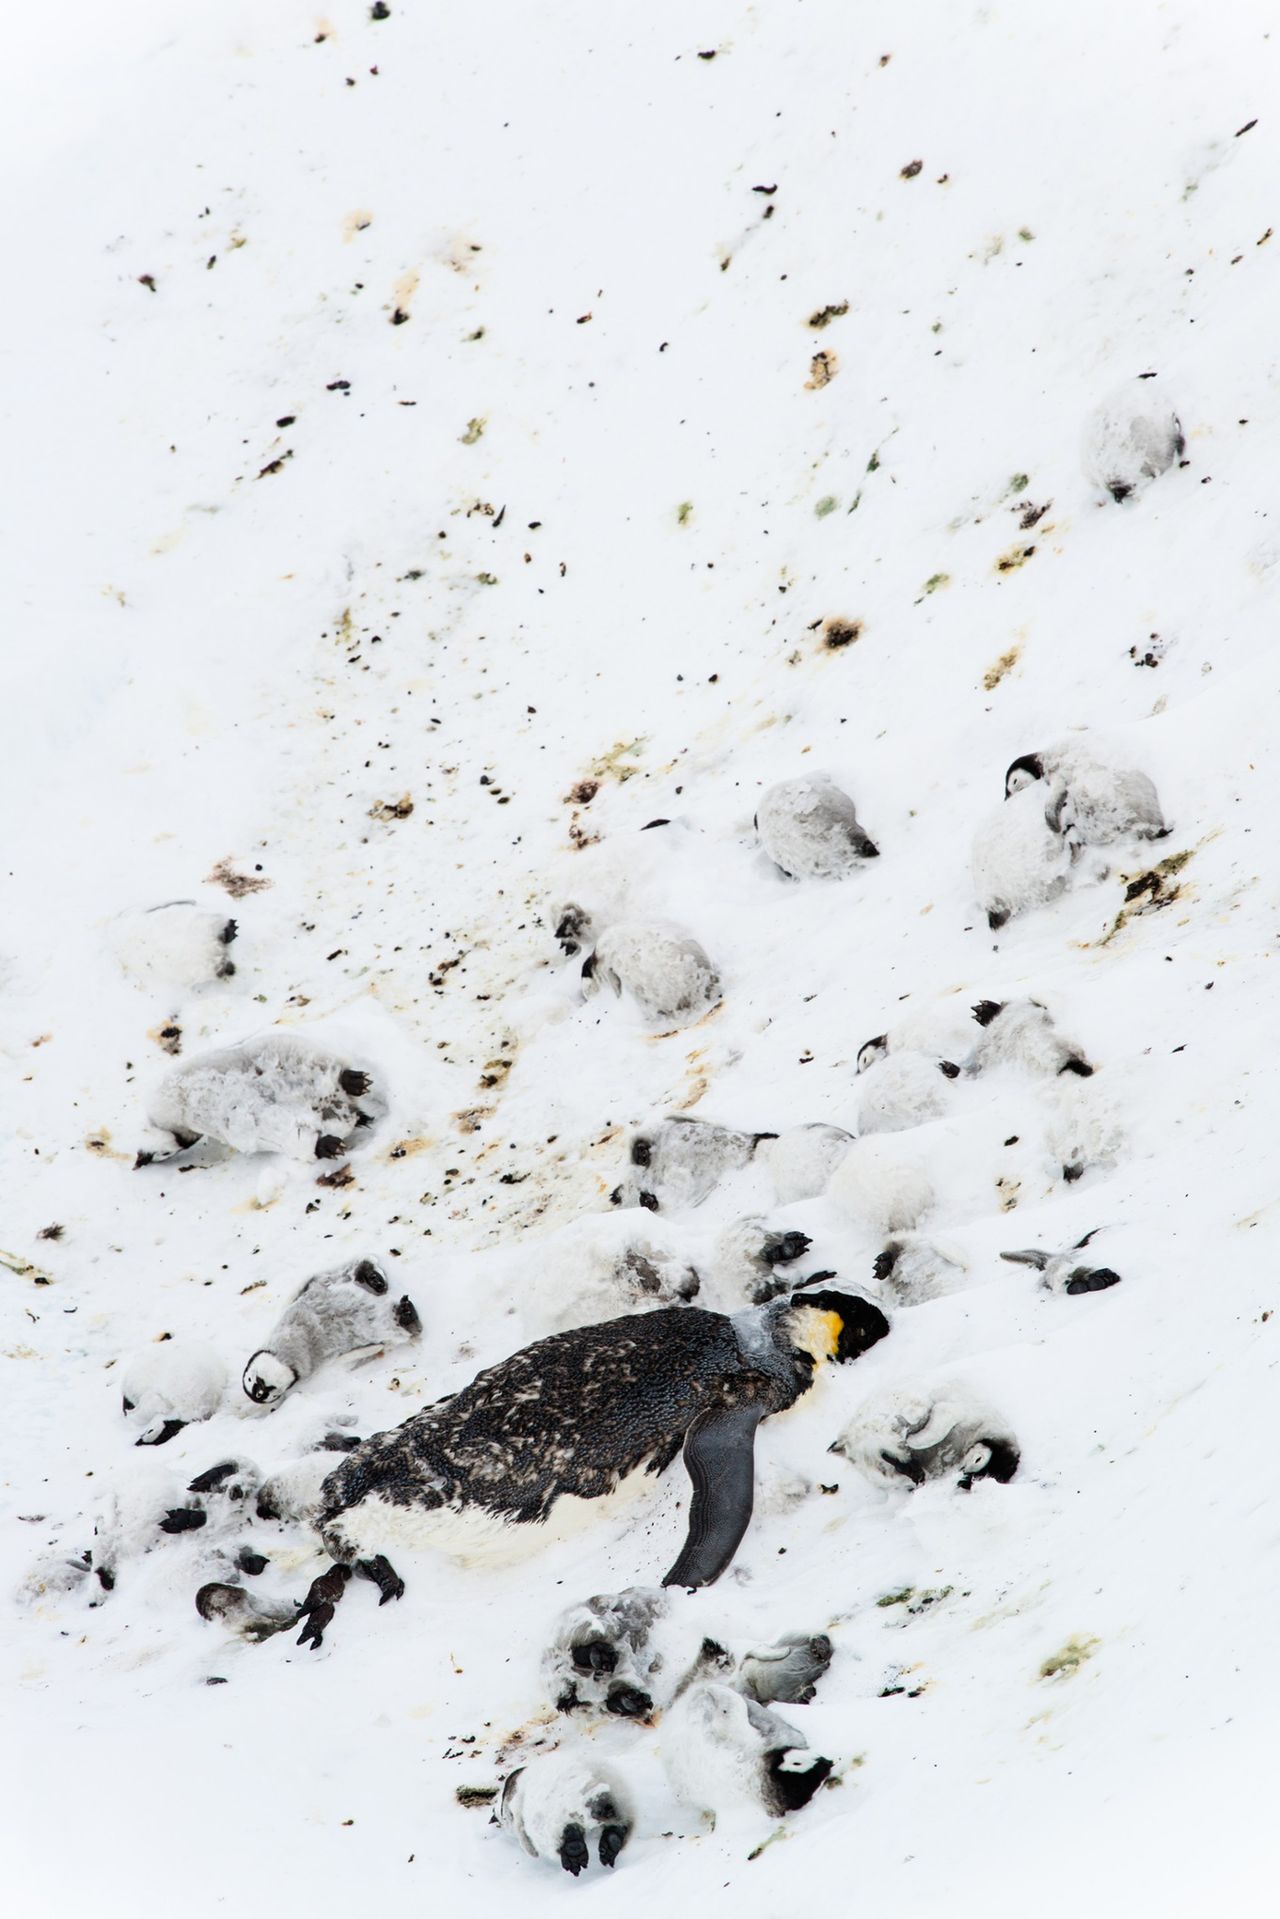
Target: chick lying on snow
(1131, 439)
(801, 1159)
(911, 1268)
(1021, 1032)
(344, 1310)
(724, 1752)
(558, 1801)
(1085, 1128)
(680, 1161)
(903, 1091)
(1020, 860)
(171, 1384)
(753, 1262)
(1097, 799)
(177, 944)
(1066, 1272)
(809, 827)
(661, 967)
(273, 1094)
(909, 1433)
(602, 1267)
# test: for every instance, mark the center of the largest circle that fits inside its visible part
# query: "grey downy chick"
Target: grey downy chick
(345, 1310)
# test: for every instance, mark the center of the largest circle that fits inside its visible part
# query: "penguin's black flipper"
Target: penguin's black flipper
(719, 1453)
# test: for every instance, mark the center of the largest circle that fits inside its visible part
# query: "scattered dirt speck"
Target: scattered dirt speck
(1005, 664)
(237, 884)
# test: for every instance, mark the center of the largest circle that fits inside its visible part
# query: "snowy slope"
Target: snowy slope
(583, 514)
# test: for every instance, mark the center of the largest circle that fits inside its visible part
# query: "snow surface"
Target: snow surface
(585, 517)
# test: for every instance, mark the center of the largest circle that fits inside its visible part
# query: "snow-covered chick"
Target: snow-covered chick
(1066, 1272)
(557, 1803)
(679, 1162)
(344, 1310)
(902, 1091)
(1095, 799)
(601, 1657)
(1019, 859)
(909, 1433)
(746, 1259)
(171, 1384)
(177, 944)
(801, 1159)
(1131, 439)
(912, 1268)
(809, 828)
(724, 1752)
(1021, 1032)
(661, 967)
(273, 1094)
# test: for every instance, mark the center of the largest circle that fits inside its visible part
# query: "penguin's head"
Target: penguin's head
(830, 1325)
(872, 1050)
(267, 1379)
(1023, 772)
(989, 1458)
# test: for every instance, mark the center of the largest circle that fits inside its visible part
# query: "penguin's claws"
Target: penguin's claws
(612, 1840)
(573, 1850)
(383, 1575)
(316, 1618)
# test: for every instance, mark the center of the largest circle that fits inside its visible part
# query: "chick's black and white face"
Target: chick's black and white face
(267, 1379)
(871, 1051)
(1023, 772)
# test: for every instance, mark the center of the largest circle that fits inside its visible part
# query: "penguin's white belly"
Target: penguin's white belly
(474, 1537)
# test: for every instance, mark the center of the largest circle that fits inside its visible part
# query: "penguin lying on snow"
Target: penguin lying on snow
(908, 1434)
(883, 1185)
(169, 1385)
(809, 828)
(1131, 439)
(177, 944)
(746, 1259)
(1063, 1272)
(680, 1162)
(1097, 801)
(801, 1159)
(912, 1269)
(341, 1311)
(903, 1091)
(1085, 1128)
(1021, 1032)
(596, 1275)
(1020, 858)
(662, 967)
(273, 1094)
(569, 1419)
(722, 1751)
(250, 1616)
(558, 1801)
(625, 1653)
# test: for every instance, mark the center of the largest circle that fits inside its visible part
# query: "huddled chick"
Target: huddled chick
(809, 827)
(177, 944)
(660, 966)
(1065, 1272)
(171, 1384)
(801, 1159)
(273, 1094)
(901, 1091)
(1021, 1032)
(1093, 799)
(911, 1268)
(910, 1433)
(680, 1161)
(1020, 858)
(723, 1751)
(746, 1259)
(344, 1310)
(558, 1802)
(1131, 439)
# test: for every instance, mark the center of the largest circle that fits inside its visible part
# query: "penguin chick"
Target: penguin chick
(907, 1434)
(1131, 439)
(902, 1092)
(747, 1257)
(340, 1311)
(912, 1269)
(787, 1671)
(1097, 800)
(272, 1094)
(243, 1613)
(723, 1751)
(600, 1656)
(169, 1385)
(664, 970)
(145, 1513)
(1084, 1128)
(809, 828)
(558, 1801)
(801, 1159)
(177, 944)
(1064, 1272)
(291, 1495)
(1019, 859)
(883, 1187)
(1021, 1032)
(574, 928)
(679, 1162)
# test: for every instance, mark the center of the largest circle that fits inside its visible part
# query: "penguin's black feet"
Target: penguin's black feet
(329, 1146)
(785, 1247)
(1092, 1279)
(573, 1850)
(628, 1702)
(384, 1576)
(184, 1519)
(612, 1840)
(594, 1655)
(318, 1608)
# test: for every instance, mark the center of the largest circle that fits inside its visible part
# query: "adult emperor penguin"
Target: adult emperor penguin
(569, 1419)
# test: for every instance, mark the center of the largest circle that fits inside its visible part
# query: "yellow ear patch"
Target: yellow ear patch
(818, 1332)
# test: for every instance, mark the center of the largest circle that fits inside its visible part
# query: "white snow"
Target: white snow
(382, 633)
